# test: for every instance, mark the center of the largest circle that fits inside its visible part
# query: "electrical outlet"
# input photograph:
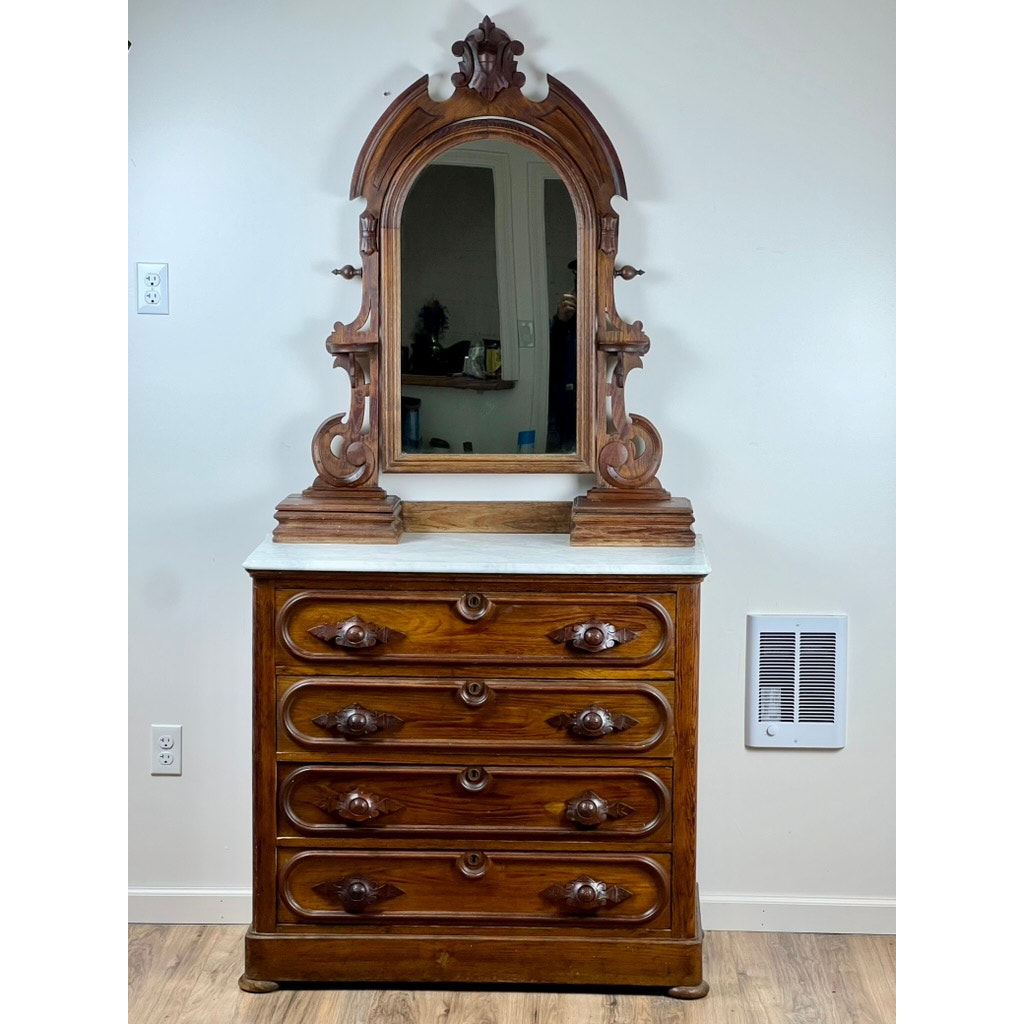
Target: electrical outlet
(165, 749)
(151, 280)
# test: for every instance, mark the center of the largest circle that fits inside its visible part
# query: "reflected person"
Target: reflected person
(562, 374)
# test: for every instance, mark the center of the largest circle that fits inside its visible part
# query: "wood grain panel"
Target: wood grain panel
(487, 516)
(507, 889)
(462, 802)
(515, 720)
(519, 628)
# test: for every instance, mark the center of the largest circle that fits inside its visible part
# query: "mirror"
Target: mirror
(480, 209)
(488, 292)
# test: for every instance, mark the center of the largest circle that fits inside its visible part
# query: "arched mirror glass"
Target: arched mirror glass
(488, 287)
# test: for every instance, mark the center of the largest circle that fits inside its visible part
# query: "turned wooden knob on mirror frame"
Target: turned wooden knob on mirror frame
(627, 273)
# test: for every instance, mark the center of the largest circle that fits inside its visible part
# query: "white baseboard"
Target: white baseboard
(189, 906)
(827, 915)
(720, 912)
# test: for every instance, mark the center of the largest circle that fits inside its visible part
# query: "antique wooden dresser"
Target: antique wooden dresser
(475, 761)
(475, 723)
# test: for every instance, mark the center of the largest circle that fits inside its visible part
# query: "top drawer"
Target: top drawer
(488, 628)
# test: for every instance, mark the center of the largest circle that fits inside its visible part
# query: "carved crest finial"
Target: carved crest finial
(488, 62)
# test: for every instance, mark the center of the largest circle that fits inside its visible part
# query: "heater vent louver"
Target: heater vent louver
(796, 681)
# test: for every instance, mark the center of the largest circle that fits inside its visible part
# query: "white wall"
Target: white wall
(757, 144)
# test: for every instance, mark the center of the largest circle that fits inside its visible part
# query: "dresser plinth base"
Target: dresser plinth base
(675, 965)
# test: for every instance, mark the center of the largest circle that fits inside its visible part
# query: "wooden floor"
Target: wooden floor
(187, 974)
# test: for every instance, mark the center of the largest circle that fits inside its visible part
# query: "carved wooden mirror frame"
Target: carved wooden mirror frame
(345, 502)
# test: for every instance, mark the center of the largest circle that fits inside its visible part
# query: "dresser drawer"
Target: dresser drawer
(473, 800)
(477, 628)
(473, 887)
(362, 718)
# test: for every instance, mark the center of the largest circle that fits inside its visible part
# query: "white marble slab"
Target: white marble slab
(481, 553)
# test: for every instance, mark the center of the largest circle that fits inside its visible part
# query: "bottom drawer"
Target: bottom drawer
(471, 887)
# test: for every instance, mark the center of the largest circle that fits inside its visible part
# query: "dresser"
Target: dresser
(474, 761)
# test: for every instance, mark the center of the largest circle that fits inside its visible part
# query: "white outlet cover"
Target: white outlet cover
(165, 750)
(151, 283)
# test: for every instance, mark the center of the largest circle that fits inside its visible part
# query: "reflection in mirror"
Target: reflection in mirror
(488, 282)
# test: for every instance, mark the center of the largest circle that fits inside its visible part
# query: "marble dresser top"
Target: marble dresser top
(526, 553)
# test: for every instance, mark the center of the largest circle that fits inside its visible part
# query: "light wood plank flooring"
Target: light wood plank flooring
(187, 974)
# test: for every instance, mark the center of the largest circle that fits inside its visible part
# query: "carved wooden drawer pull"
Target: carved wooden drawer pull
(357, 806)
(588, 810)
(355, 721)
(356, 633)
(357, 894)
(586, 895)
(593, 636)
(592, 722)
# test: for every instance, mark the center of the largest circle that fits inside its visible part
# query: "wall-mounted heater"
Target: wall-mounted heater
(796, 681)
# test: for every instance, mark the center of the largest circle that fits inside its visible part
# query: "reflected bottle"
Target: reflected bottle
(411, 439)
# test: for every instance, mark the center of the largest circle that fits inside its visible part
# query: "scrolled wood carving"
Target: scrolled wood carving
(588, 810)
(357, 805)
(586, 895)
(593, 636)
(357, 894)
(592, 722)
(356, 633)
(344, 446)
(355, 722)
(488, 63)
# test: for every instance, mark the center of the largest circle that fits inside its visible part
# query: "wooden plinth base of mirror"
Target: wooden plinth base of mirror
(601, 519)
(327, 515)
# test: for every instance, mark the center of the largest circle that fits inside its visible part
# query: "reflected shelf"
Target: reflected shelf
(424, 380)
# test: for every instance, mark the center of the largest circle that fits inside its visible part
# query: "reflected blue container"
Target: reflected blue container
(527, 440)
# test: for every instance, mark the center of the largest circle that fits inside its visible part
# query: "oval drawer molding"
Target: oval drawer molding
(458, 888)
(492, 803)
(432, 717)
(471, 628)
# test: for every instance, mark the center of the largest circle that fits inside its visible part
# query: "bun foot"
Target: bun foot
(247, 984)
(689, 991)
